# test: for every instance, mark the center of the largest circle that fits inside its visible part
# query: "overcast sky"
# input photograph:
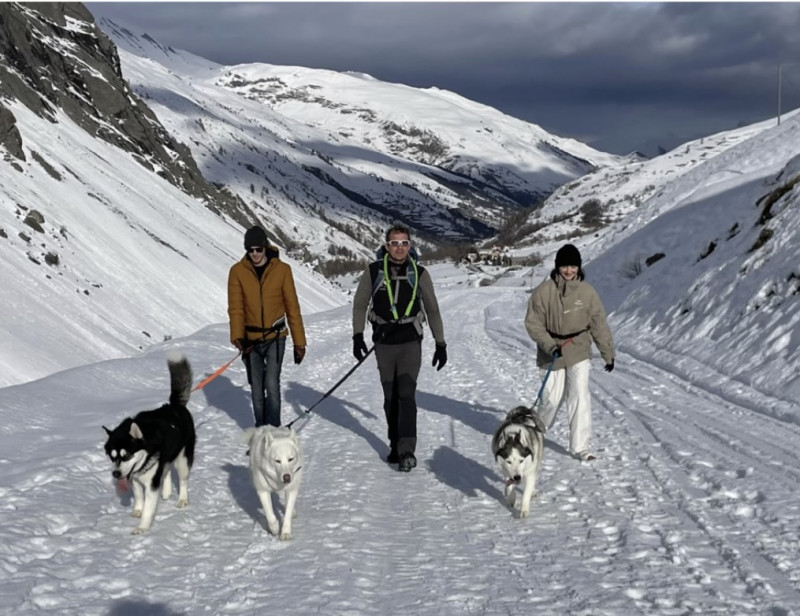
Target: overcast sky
(618, 76)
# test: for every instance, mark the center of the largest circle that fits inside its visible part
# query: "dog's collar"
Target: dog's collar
(145, 467)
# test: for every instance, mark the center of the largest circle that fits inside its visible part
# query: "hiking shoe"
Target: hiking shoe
(585, 456)
(393, 458)
(407, 462)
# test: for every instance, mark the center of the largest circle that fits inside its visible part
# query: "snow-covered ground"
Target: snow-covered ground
(692, 507)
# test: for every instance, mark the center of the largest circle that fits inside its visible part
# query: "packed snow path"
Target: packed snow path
(693, 505)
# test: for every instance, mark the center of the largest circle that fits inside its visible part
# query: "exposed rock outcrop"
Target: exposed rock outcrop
(54, 57)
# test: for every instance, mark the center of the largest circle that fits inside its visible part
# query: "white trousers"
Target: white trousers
(569, 386)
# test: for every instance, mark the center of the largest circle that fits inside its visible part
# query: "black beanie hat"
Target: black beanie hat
(255, 236)
(568, 255)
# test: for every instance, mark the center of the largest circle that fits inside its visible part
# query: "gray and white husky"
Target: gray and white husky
(518, 447)
(276, 466)
(142, 449)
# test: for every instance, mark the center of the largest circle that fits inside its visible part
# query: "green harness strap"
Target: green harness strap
(388, 284)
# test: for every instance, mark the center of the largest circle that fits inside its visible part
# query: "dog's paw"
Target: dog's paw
(137, 513)
(285, 536)
(138, 531)
(272, 527)
(182, 503)
(523, 513)
(165, 494)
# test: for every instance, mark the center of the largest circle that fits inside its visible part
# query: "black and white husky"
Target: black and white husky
(518, 447)
(276, 465)
(143, 449)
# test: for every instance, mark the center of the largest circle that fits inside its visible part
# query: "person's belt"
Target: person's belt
(566, 336)
(277, 327)
(263, 330)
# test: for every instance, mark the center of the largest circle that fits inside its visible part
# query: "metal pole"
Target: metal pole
(780, 66)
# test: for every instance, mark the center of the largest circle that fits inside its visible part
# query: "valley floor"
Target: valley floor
(692, 507)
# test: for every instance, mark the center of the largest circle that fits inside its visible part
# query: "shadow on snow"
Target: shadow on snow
(233, 399)
(141, 607)
(334, 410)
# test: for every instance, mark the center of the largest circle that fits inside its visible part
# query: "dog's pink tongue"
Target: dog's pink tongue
(122, 485)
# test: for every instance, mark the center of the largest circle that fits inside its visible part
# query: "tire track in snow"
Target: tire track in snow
(697, 456)
(668, 520)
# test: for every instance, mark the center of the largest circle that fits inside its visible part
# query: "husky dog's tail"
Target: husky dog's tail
(180, 376)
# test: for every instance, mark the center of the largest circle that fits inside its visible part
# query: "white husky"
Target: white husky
(518, 447)
(275, 464)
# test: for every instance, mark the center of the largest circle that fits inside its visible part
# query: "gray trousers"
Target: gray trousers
(398, 366)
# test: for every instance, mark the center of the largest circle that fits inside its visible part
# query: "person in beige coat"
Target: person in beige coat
(564, 316)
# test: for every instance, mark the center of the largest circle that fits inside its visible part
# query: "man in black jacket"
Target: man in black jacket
(396, 295)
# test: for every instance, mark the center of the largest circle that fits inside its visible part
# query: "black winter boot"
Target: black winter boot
(407, 462)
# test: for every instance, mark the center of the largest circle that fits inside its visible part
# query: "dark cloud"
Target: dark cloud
(613, 74)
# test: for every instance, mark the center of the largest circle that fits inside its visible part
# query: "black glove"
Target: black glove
(439, 356)
(359, 348)
(609, 366)
(299, 354)
(243, 344)
(555, 353)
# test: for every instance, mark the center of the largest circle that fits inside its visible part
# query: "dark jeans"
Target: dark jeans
(266, 359)
(398, 366)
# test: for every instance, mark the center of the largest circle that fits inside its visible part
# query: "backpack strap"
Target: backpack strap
(380, 278)
(414, 284)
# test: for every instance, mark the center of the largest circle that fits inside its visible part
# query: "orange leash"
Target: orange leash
(214, 375)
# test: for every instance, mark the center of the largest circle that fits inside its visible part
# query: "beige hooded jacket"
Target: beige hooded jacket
(561, 310)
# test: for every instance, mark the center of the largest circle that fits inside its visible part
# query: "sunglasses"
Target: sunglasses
(258, 249)
(396, 243)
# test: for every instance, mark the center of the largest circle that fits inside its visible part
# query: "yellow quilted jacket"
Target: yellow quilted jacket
(254, 304)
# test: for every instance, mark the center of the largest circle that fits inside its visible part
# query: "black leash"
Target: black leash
(332, 389)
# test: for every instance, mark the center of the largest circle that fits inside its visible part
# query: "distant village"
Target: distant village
(492, 256)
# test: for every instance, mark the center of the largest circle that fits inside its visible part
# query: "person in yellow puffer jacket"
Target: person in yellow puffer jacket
(262, 300)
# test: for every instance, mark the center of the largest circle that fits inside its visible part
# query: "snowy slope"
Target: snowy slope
(301, 143)
(137, 260)
(692, 506)
(385, 115)
(641, 189)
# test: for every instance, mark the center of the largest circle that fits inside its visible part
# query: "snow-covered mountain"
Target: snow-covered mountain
(711, 230)
(349, 151)
(100, 194)
(109, 240)
(639, 189)
(691, 507)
